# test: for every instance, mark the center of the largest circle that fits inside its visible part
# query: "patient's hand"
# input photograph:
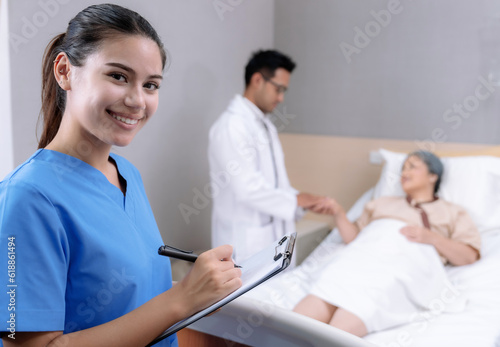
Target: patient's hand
(418, 234)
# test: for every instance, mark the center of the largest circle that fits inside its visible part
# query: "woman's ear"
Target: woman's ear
(433, 178)
(62, 69)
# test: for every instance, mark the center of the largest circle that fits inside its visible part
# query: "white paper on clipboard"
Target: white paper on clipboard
(255, 270)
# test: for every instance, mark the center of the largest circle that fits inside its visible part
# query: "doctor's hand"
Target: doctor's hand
(306, 200)
(315, 203)
(328, 206)
(212, 278)
(418, 234)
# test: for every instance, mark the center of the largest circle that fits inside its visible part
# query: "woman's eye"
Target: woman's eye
(151, 86)
(118, 77)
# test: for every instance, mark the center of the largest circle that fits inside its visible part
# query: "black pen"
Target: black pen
(177, 253)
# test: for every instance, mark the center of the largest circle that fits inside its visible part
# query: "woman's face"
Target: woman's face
(112, 96)
(415, 176)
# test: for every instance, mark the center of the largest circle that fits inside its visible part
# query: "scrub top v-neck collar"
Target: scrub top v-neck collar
(76, 166)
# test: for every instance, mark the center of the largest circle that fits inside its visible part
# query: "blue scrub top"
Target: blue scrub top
(84, 252)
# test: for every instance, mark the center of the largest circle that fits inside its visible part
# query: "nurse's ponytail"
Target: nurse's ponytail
(84, 36)
(53, 96)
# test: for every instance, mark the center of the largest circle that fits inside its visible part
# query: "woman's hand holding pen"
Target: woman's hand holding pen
(210, 279)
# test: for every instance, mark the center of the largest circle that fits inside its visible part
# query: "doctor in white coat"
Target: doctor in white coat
(253, 202)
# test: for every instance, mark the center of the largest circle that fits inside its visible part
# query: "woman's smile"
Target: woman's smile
(126, 119)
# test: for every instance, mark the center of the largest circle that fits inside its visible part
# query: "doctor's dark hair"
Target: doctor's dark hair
(267, 62)
(85, 34)
(433, 163)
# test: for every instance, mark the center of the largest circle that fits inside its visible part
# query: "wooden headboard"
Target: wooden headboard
(340, 166)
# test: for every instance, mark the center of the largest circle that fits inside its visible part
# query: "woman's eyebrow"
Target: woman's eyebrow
(130, 70)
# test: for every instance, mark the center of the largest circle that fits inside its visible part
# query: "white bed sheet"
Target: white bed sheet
(476, 326)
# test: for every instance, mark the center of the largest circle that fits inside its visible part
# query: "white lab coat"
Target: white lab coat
(253, 202)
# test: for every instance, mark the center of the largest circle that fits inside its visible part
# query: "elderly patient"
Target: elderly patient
(346, 295)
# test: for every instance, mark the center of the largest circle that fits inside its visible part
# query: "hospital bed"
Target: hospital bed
(263, 317)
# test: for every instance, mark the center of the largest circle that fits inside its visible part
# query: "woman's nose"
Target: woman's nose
(135, 98)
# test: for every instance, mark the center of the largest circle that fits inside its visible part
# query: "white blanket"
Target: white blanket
(380, 276)
(478, 325)
(383, 278)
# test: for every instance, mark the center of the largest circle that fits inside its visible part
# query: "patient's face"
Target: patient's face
(415, 176)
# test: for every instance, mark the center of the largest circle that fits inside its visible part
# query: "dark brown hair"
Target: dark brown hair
(267, 61)
(84, 35)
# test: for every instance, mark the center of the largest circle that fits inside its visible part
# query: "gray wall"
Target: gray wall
(406, 75)
(208, 50)
(424, 61)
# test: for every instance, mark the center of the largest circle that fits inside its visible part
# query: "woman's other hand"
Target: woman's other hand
(455, 252)
(418, 234)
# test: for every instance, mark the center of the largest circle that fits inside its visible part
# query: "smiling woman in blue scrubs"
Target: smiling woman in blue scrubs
(75, 222)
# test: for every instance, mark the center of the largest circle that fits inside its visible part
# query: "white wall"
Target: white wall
(400, 76)
(6, 143)
(208, 51)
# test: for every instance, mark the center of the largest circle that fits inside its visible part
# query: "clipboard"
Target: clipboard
(255, 270)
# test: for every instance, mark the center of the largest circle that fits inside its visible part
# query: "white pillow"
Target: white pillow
(389, 183)
(471, 182)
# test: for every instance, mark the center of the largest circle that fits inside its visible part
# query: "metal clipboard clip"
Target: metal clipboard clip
(289, 248)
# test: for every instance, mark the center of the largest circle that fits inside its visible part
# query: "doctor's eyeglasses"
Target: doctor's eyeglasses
(280, 89)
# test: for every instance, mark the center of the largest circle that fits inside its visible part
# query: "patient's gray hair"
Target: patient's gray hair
(433, 163)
